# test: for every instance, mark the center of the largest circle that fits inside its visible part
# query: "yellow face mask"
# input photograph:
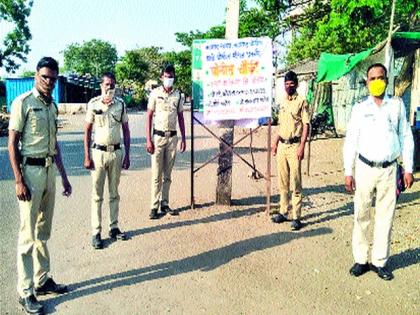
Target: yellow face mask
(377, 87)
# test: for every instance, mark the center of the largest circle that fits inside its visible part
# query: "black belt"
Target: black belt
(376, 164)
(169, 133)
(290, 141)
(107, 148)
(44, 162)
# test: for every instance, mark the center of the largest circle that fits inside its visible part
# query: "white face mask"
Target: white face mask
(168, 82)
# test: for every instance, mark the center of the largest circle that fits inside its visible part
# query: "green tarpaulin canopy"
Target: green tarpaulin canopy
(407, 35)
(332, 67)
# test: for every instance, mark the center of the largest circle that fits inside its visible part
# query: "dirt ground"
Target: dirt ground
(214, 259)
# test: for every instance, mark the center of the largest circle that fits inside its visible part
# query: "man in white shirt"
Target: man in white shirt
(377, 134)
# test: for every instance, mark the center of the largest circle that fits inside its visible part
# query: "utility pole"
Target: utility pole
(224, 171)
(389, 53)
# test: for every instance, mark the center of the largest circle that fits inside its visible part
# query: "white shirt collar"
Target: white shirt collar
(384, 101)
(36, 92)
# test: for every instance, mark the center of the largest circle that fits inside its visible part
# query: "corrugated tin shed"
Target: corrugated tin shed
(17, 86)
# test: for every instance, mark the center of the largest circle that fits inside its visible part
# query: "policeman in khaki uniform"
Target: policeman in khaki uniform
(33, 124)
(108, 114)
(165, 107)
(289, 146)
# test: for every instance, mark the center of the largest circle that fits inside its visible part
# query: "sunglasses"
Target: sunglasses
(45, 77)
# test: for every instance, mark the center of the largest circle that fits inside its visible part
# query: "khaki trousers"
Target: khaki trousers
(163, 160)
(33, 258)
(367, 180)
(106, 164)
(290, 179)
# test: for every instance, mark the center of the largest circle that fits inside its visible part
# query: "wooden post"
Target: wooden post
(415, 90)
(224, 171)
(415, 87)
(268, 180)
(389, 53)
(192, 203)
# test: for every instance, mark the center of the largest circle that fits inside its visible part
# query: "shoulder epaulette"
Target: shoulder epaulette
(119, 99)
(300, 98)
(23, 96)
(96, 98)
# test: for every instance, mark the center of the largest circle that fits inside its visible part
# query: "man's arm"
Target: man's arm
(181, 123)
(22, 191)
(276, 138)
(59, 162)
(126, 136)
(275, 144)
(149, 142)
(301, 149)
(88, 163)
(407, 146)
(305, 121)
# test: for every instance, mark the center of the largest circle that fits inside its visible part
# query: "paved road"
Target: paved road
(214, 260)
(71, 227)
(71, 142)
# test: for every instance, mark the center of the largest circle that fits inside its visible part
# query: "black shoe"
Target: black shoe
(278, 218)
(154, 214)
(97, 241)
(51, 287)
(31, 305)
(359, 269)
(382, 272)
(296, 225)
(116, 234)
(166, 209)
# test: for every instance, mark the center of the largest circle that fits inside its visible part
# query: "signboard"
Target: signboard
(232, 79)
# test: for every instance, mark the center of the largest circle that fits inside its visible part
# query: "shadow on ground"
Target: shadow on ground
(404, 259)
(206, 261)
(213, 218)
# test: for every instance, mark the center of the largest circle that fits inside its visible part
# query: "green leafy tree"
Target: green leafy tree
(132, 67)
(136, 67)
(27, 74)
(343, 26)
(186, 39)
(140, 64)
(93, 57)
(153, 57)
(15, 45)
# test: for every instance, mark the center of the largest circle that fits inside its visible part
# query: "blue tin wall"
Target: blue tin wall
(15, 87)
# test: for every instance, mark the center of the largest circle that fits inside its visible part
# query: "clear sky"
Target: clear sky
(128, 24)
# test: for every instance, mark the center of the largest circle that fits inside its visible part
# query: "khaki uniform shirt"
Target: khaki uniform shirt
(107, 120)
(293, 114)
(36, 120)
(166, 108)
